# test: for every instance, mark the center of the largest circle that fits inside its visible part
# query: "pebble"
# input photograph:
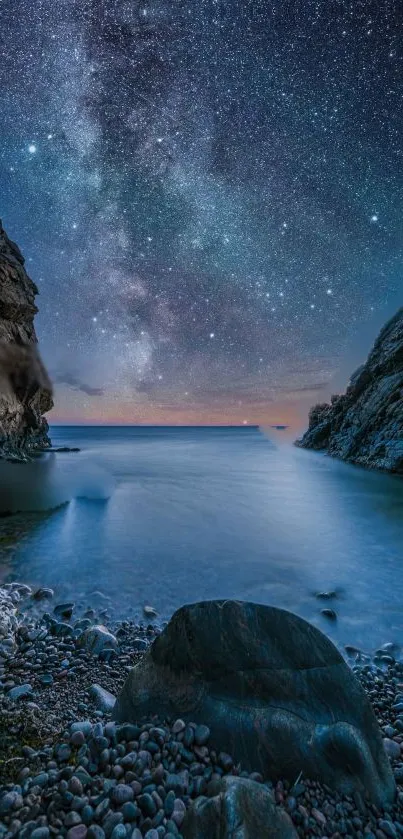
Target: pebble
(122, 793)
(96, 832)
(78, 832)
(202, 734)
(46, 679)
(20, 691)
(388, 828)
(97, 639)
(110, 781)
(119, 832)
(64, 610)
(392, 748)
(103, 699)
(329, 613)
(43, 594)
(179, 811)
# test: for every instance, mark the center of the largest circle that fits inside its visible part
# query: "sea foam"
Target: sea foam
(50, 481)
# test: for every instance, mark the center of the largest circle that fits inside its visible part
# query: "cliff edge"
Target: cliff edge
(365, 425)
(25, 388)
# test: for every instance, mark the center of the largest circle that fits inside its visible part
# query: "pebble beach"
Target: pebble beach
(67, 770)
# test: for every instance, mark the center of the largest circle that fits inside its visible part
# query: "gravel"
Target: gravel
(67, 770)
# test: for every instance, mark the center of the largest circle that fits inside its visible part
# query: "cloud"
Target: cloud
(73, 382)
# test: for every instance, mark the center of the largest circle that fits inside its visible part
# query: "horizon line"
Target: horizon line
(151, 425)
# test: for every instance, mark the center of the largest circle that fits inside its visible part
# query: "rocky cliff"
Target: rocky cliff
(365, 425)
(25, 389)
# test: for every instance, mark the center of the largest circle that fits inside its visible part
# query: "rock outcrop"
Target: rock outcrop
(274, 691)
(25, 389)
(365, 425)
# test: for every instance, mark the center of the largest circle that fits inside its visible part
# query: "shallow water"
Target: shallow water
(204, 513)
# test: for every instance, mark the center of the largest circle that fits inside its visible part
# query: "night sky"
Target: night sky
(208, 194)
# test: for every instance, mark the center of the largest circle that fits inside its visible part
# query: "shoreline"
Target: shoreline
(49, 776)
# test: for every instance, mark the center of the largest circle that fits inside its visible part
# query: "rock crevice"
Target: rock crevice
(25, 388)
(365, 425)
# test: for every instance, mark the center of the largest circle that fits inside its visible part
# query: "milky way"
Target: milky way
(208, 194)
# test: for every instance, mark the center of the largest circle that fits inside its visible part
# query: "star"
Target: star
(210, 134)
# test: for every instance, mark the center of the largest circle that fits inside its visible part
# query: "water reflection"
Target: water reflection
(198, 514)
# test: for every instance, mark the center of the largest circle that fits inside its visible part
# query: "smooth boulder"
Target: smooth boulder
(274, 691)
(240, 809)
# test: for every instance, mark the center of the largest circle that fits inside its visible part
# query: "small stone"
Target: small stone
(398, 771)
(389, 731)
(225, 761)
(110, 821)
(392, 748)
(10, 801)
(43, 594)
(147, 804)
(127, 732)
(130, 812)
(388, 828)
(169, 803)
(72, 819)
(97, 639)
(62, 752)
(40, 833)
(119, 832)
(179, 812)
(326, 595)
(150, 612)
(20, 691)
(87, 814)
(102, 698)
(85, 726)
(329, 613)
(75, 786)
(122, 793)
(95, 832)
(77, 832)
(46, 679)
(64, 610)
(77, 738)
(319, 817)
(139, 644)
(202, 734)
(178, 726)
(40, 780)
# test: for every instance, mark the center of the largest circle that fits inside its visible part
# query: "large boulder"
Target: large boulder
(240, 809)
(275, 692)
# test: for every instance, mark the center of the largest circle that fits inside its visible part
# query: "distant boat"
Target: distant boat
(280, 427)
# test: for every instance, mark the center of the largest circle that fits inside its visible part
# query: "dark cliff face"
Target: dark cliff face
(25, 389)
(365, 425)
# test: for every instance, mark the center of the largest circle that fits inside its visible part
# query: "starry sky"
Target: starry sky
(208, 194)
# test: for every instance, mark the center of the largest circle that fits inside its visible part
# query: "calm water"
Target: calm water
(204, 513)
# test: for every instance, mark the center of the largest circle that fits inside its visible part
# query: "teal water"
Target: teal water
(200, 513)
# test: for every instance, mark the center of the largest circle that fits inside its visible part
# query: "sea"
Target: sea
(163, 516)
